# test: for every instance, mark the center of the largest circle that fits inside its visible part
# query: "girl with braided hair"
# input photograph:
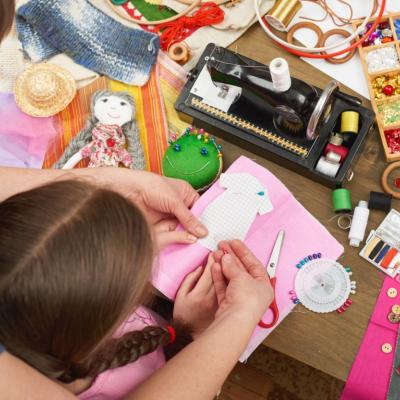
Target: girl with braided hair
(75, 265)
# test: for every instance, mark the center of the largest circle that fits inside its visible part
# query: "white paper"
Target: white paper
(214, 94)
(350, 73)
(231, 214)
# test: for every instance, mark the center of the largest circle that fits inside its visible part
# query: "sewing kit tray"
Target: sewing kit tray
(246, 123)
(385, 106)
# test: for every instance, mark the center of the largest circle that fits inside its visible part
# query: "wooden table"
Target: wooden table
(327, 342)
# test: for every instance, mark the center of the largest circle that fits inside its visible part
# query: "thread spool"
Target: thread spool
(282, 14)
(349, 138)
(333, 157)
(359, 224)
(341, 151)
(380, 201)
(341, 201)
(179, 52)
(336, 139)
(349, 122)
(280, 74)
(327, 168)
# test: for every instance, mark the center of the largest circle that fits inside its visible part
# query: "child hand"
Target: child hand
(241, 282)
(196, 301)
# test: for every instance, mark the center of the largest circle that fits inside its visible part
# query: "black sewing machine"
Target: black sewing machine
(234, 97)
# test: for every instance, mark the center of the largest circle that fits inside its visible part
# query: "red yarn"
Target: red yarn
(175, 31)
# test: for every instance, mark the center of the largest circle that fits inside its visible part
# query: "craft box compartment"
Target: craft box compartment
(271, 143)
(371, 74)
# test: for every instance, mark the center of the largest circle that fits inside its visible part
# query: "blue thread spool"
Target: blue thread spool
(203, 151)
(177, 147)
(298, 266)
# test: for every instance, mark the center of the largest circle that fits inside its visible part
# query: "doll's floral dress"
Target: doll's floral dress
(108, 147)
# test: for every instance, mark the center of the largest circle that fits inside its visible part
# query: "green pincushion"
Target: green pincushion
(195, 158)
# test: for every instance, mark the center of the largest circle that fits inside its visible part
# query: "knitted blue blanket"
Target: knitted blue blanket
(90, 37)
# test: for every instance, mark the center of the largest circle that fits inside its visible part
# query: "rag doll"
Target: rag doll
(110, 137)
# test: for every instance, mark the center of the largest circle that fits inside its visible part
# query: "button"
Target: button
(387, 348)
(392, 292)
(393, 318)
(396, 309)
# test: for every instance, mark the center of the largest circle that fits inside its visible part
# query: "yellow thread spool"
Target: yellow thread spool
(349, 122)
(282, 14)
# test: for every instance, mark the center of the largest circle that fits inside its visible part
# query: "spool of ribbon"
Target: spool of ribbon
(282, 13)
(176, 31)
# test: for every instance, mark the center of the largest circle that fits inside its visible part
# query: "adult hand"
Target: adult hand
(165, 233)
(196, 300)
(157, 196)
(241, 281)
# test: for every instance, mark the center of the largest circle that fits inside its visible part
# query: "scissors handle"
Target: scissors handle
(274, 309)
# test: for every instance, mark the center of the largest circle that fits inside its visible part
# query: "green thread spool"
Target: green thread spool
(341, 201)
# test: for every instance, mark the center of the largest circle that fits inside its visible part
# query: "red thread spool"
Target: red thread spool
(341, 150)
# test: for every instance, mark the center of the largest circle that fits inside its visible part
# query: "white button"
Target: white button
(387, 348)
(392, 292)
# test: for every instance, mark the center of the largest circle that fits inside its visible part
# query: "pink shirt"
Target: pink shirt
(370, 374)
(119, 382)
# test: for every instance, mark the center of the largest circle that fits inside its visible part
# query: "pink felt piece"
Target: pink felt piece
(23, 139)
(304, 236)
(370, 374)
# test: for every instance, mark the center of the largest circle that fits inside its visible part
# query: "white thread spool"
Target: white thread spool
(333, 157)
(327, 168)
(280, 74)
(359, 224)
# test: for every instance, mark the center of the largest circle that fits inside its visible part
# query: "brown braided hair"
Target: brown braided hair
(75, 261)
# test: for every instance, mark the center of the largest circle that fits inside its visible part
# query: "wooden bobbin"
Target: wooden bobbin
(385, 177)
(179, 52)
(341, 32)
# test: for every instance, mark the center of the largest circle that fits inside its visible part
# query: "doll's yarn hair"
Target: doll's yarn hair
(129, 129)
(75, 261)
(7, 8)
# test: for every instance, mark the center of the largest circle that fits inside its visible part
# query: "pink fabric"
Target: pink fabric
(370, 374)
(304, 236)
(23, 139)
(117, 383)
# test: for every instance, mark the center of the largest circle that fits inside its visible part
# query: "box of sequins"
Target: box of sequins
(316, 132)
(383, 245)
(380, 58)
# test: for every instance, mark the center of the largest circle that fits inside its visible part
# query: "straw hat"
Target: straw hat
(44, 89)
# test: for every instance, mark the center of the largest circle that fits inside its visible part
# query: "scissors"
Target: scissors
(271, 269)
